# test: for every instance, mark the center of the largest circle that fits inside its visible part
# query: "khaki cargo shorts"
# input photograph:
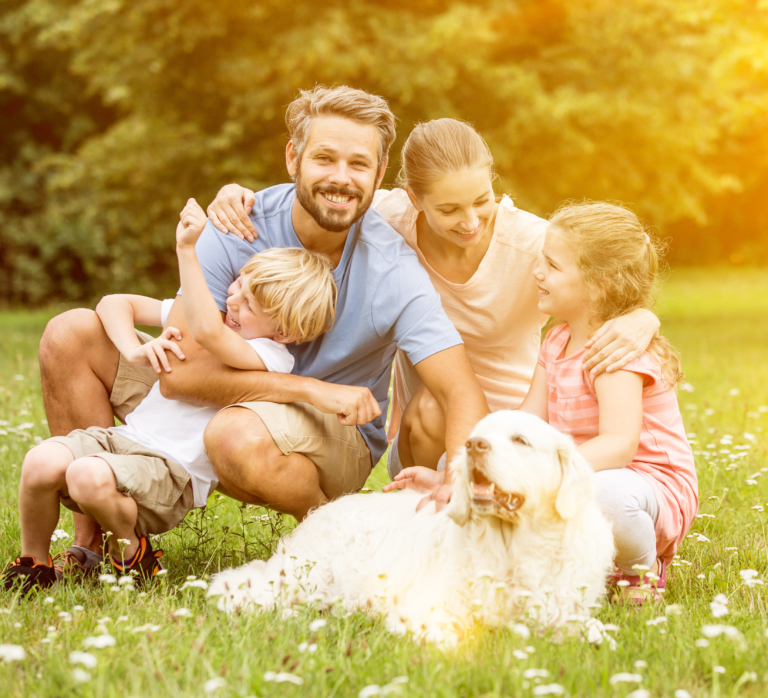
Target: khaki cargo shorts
(160, 487)
(339, 453)
(131, 384)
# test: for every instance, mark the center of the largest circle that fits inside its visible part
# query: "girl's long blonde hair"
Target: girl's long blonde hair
(620, 261)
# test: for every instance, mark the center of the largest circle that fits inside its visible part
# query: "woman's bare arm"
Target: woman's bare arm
(619, 341)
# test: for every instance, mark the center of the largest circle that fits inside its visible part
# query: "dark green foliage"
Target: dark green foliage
(114, 112)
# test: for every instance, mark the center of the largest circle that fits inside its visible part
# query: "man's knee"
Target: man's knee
(69, 333)
(237, 437)
(89, 480)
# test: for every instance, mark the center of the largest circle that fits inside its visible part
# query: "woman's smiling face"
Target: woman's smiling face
(459, 207)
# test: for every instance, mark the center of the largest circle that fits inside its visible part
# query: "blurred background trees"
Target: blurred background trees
(114, 112)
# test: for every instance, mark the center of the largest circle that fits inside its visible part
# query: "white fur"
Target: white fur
(439, 574)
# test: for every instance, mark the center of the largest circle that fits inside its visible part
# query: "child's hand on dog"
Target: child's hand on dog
(192, 220)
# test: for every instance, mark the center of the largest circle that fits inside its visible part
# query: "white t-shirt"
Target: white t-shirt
(174, 429)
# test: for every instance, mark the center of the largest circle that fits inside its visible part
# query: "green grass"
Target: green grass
(718, 320)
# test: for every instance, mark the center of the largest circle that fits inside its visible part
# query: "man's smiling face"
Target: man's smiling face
(338, 172)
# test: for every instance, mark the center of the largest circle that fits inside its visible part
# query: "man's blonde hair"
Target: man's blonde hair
(346, 102)
(296, 288)
(440, 147)
(619, 261)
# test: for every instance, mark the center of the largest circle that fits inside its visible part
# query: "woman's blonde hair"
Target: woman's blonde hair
(619, 260)
(438, 147)
(347, 102)
(296, 288)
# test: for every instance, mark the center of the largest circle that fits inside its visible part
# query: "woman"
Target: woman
(480, 254)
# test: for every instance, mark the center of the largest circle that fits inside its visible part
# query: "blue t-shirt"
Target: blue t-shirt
(385, 301)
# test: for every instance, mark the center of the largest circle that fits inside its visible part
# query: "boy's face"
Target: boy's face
(246, 316)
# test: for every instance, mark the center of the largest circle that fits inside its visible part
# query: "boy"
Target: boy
(145, 476)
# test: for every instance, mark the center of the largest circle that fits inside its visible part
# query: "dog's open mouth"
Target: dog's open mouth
(487, 498)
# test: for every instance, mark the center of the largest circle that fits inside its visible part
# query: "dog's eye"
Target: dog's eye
(519, 440)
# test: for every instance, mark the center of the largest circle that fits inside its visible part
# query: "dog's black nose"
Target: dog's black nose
(478, 445)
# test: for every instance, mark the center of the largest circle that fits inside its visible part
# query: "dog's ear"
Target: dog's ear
(577, 482)
(459, 506)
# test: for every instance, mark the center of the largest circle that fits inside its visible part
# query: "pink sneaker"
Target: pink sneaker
(654, 587)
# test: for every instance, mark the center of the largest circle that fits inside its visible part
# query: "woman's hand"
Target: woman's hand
(153, 353)
(229, 211)
(191, 223)
(620, 341)
(417, 478)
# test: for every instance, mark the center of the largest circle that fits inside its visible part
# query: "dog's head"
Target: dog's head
(514, 463)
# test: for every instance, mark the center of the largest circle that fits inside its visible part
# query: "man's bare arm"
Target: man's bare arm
(204, 380)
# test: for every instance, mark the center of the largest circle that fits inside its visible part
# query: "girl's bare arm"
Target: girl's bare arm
(620, 398)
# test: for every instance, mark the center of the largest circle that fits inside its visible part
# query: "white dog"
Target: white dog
(522, 535)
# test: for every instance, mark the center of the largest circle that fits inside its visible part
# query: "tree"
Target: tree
(644, 101)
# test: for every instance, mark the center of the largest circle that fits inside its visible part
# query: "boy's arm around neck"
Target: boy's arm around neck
(204, 380)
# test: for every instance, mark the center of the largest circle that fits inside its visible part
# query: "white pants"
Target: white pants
(629, 503)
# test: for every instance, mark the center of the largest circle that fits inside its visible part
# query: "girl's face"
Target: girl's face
(460, 206)
(562, 291)
(246, 316)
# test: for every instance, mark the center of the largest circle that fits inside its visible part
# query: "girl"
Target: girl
(598, 263)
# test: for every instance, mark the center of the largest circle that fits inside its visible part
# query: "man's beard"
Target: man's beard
(332, 220)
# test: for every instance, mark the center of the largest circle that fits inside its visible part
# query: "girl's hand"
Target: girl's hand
(620, 341)
(153, 353)
(191, 224)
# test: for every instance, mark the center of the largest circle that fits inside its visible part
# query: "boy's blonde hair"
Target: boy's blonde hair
(296, 288)
(347, 102)
(438, 147)
(619, 260)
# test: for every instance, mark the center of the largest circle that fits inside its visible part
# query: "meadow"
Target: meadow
(709, 637)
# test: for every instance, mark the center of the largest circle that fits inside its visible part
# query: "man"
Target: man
(291, 442)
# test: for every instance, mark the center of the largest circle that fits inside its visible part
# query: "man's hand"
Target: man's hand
(153, 353)
(619, 341)
(191, 223)
(418, 479)
(229, 211)
(353, 405)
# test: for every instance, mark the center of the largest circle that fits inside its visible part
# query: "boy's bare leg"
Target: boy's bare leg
(42, 476)
(91, 483)
(78, 366)
(253, 469)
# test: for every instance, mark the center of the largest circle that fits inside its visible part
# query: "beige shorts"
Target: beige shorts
(160, 487)
(340, 454)
(131, 384)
